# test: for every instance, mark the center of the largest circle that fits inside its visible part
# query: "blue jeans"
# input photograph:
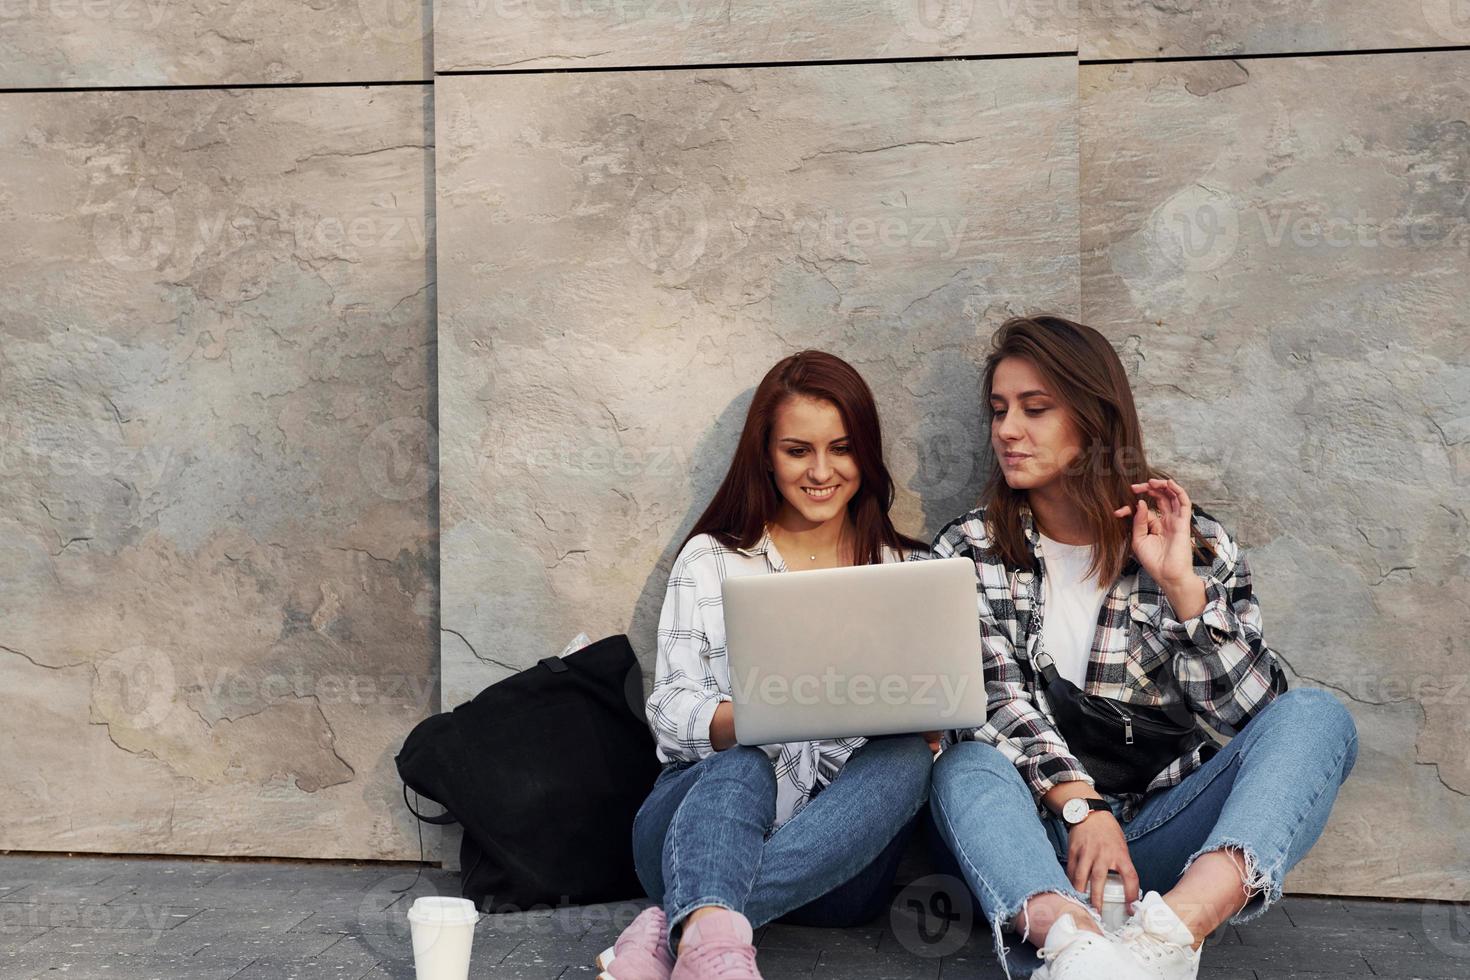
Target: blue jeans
(701, 837)
(1267, 793)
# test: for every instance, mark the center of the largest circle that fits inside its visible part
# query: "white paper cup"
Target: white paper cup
(442, 929)
(1114, 906)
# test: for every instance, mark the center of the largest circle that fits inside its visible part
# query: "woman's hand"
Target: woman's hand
(1161, 534)
(933, 739)
(1094, 847)
(722, 726)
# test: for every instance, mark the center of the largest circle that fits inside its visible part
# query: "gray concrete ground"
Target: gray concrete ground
(144, 918)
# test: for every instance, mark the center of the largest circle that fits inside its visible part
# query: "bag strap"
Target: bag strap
(443, 819)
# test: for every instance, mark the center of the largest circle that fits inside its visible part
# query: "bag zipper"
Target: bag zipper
(1127, 719)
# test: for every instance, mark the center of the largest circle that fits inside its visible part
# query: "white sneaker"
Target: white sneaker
(1159, 942)
(1073, 954)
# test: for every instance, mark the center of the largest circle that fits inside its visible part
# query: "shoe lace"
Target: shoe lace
(1145, 945)
(733, 959)
(1076, 945)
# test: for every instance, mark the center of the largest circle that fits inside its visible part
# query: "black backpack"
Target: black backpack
(545, 771)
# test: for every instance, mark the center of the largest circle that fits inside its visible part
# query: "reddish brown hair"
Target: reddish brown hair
(748, 500)
(1083, 371)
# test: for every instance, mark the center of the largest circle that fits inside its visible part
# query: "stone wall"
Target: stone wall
(227, 410)
(218, 541)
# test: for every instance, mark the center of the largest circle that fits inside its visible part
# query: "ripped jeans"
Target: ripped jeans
(701, 836)
(1267, 793)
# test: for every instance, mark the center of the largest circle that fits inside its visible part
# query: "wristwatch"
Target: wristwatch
(1075, 811)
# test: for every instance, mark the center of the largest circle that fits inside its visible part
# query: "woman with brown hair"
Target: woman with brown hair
(1115, 616)
(732, 836)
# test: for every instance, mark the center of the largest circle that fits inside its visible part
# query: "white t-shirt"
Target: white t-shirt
(1073, 602)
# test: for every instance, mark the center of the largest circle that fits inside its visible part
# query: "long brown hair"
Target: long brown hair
(1083, 371)
(748, 500)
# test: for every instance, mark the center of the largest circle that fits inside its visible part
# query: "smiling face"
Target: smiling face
(1033, 439)
(811, 461)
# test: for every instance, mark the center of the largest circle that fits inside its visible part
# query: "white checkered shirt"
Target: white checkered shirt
(693, 676)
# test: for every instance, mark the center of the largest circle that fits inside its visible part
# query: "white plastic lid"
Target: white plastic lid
(443, 910)
(1113, 890)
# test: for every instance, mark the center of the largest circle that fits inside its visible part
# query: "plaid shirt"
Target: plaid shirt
(1216, 663)
(692, 676)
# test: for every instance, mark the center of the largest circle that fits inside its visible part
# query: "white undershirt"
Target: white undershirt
(1072, 605)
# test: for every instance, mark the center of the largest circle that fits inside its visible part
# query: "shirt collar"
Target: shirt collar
(765, 548)
(1033, 539)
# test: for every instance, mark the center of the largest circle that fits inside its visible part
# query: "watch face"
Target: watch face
(1075, 811)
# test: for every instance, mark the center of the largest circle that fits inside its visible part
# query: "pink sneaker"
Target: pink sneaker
(641, 952)
(717, 947)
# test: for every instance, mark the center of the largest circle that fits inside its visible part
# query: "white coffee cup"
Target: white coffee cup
(1114, 903)
(443, 929)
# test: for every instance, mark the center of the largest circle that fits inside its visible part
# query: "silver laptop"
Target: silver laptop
(867, 650)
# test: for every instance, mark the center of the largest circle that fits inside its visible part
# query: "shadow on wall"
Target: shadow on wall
(953, 441)
(707, 465)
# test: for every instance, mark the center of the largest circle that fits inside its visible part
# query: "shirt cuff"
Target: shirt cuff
(1208, 631)
(699, 723)
(1053, 770)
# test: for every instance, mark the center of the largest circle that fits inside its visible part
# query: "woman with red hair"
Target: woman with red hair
(733, 836)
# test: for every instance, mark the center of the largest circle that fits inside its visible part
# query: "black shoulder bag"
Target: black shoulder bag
(1122, 746)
